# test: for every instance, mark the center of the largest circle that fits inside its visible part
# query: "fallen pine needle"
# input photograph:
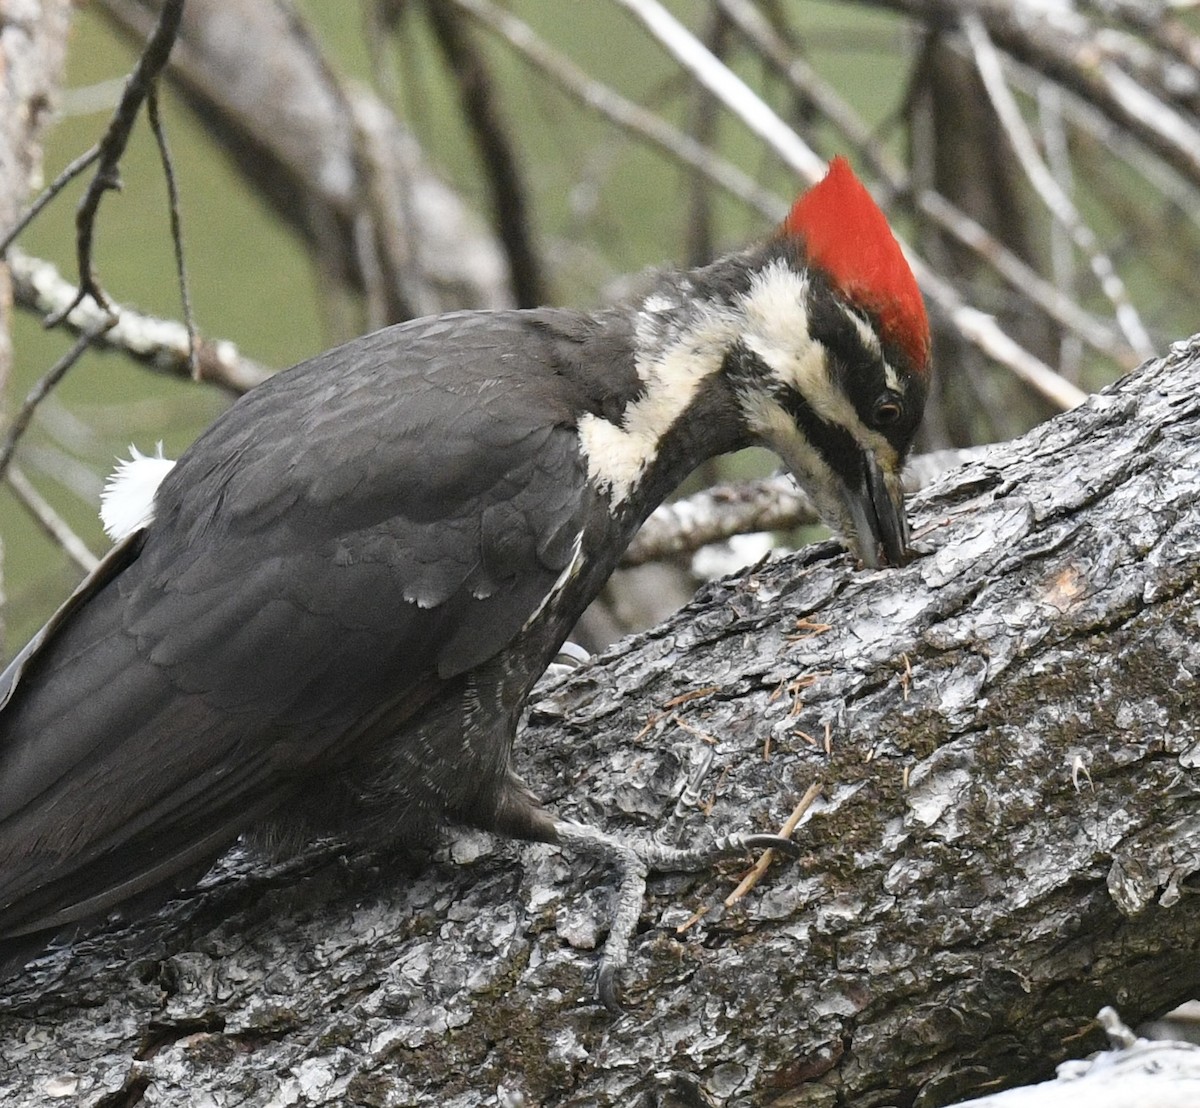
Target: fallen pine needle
(768, 856)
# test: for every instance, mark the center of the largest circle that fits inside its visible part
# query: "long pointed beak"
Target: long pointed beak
(880, 522)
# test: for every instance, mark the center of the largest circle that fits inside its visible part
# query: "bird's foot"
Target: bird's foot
(569, 658)
(633, 863)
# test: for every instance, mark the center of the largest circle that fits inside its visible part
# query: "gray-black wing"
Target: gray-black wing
(345, 540)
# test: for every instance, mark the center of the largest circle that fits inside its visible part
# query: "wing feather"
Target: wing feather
(347, 537)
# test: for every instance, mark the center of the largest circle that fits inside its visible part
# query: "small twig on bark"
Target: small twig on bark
(768, 856)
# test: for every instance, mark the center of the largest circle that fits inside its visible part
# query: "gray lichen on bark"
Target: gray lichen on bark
(1007, 839)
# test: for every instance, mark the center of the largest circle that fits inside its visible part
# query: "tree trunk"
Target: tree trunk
(1007, 838)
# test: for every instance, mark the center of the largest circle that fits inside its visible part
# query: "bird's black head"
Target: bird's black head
(831, 365)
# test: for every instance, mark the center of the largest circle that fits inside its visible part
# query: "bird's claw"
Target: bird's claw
(778, 843)
(633, 862)
(606, 986)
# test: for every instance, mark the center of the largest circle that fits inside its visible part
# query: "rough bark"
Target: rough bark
(1008, 838)
(1134, 1073)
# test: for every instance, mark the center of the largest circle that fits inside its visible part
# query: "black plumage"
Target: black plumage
(335, 561)
(352, 580)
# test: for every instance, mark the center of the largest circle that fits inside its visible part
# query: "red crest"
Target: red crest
(846, 235)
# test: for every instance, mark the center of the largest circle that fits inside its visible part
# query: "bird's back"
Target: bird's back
(337, 552)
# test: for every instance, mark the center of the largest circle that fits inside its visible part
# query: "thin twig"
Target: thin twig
(160, 344)
(479, 96)
(727, 87)
(768, 856)
(49, 193)
(987, 62)
(41, 389)
(705, 113)
(1062, 45)
(631, 117)
(983, 331)
(1176, 187)
(1056, 143)
(185, 296)
(49, 520)
(112, 147)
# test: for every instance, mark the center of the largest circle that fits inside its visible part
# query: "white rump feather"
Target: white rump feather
(127, 502)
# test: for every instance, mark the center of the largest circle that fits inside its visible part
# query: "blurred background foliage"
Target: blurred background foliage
(599, 205)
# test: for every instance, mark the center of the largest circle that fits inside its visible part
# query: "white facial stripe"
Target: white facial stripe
(778, 430)
(127, 502)
(869, 339)
(776, 306)
(618, 454)
(777, 326)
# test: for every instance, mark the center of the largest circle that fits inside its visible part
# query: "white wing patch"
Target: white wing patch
(564, 579)
(127, 502)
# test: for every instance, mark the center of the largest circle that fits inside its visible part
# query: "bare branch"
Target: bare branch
(1060, 43)
(160, 344)
(49, 520)
(41, 389)
(164, 152)
(632, 118)
(73, 170)
(981, 330)
(259, 81)
(479, 98)
(729, 88)
(987, 62)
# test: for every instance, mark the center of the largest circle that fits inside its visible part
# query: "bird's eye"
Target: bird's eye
(887, 411)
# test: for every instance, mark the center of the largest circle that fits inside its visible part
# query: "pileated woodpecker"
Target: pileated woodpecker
(326, 617)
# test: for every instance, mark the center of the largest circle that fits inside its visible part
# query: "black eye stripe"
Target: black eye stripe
(835, 444)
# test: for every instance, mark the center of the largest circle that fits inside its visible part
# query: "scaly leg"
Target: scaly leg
(633, 864)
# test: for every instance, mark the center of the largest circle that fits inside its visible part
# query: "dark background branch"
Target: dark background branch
(481, 104)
